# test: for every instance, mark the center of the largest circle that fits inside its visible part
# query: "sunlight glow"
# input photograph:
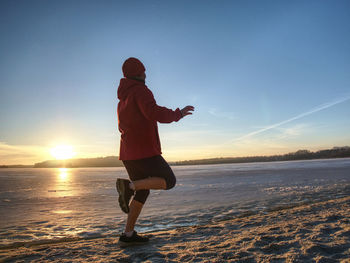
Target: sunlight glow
(63, 174)
(63, 152)
(63, 186)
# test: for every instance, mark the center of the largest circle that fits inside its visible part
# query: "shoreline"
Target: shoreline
(312, 232)
(178, 163)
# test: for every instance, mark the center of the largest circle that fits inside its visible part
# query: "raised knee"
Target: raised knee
(171, 183)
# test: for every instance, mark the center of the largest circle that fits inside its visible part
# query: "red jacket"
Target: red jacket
(138, 115)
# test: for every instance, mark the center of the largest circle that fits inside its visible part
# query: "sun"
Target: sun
(63, 152)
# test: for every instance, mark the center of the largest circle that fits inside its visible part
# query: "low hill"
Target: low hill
(336, 152)
(113, 161)
(109, 161)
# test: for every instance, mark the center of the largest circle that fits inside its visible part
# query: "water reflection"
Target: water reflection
(63, 174)
(63, 183)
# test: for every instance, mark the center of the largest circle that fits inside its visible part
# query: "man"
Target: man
(140, 148)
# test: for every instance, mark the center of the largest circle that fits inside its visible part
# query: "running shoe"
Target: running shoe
(125, 193)
(135, 239)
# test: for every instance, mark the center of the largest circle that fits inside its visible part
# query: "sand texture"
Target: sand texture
(317, 232)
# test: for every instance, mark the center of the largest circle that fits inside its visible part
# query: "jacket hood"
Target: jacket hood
(133, 67)
(127, 86)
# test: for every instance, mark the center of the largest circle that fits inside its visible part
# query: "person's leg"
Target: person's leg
(161, 177)
(136, 173)
(147, 174)
(135, 210)
(151, 183)
(130, 236)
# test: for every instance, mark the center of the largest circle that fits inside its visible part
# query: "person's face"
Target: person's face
(143, 76)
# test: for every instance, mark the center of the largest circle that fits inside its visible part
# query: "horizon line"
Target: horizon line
(247, 156)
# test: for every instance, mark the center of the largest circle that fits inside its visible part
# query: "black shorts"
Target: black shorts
(154, 166)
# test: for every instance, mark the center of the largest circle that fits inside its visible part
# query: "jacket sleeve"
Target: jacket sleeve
(152, 111)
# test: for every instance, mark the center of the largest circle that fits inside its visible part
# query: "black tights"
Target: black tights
(154, 166)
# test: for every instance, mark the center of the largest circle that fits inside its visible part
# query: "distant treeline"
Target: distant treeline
(16, 166)
(109, 161)
(113, 161)
(336, 152)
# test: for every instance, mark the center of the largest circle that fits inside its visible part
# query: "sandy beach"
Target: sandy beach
(318, 232)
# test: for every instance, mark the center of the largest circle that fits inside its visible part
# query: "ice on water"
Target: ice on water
(46, 205)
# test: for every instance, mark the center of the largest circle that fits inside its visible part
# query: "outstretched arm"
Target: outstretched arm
(152, 111)
(187, 110)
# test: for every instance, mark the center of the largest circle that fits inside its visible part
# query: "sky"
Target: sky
(265, 77)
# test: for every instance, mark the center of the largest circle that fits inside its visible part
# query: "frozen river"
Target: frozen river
(40, 204)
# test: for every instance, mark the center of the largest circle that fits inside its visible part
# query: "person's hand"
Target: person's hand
(187, 110)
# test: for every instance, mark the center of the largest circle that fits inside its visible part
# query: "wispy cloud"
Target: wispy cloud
(221, 114)
(21, 154)
(293, 131)
(276, 125)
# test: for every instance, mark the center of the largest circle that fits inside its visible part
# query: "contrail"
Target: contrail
(317, 109)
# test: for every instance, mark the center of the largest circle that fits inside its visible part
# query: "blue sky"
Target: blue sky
(265, 77)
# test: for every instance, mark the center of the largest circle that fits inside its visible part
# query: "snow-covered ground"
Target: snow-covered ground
(42, 204)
